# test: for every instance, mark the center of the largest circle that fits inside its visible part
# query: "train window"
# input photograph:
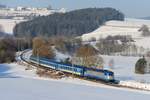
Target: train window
(60, 67)
(94, 73)
(56, 65)
(63, 67)
(75, 70)
(66, 68)
(78, 70)
(69, 68)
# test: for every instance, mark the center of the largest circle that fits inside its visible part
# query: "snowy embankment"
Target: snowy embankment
(134, 84)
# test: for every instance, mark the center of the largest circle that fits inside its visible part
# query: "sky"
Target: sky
(131, 8)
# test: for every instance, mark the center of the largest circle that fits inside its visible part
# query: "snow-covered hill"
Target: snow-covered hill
(127, 27)
(9, 24)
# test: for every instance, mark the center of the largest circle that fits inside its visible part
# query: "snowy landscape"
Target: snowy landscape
(17, 83)
(19, 80)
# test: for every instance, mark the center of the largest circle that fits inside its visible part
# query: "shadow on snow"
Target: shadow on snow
(4, 72)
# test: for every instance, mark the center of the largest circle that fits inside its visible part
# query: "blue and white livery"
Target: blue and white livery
(75, 69)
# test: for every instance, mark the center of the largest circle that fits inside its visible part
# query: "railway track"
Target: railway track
(116, 84)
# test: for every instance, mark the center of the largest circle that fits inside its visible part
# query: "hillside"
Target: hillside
(127, 27)
(73, 23)
(9, 24)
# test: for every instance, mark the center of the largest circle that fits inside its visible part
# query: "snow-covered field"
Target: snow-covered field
(127, 27)
(18, 84)
(9, 24)
(124, 69)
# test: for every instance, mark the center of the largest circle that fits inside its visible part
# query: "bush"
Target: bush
(140, 66)
(7, 50)
(145, 30)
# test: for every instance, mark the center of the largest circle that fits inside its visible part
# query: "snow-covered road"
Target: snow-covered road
(18, 84)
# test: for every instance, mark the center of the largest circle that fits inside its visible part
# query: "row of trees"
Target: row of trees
(113, 44)
(85, 55)
(9, 45)
(119, 45)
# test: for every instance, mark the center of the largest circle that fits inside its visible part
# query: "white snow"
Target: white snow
(14, 70)
(27, 54)
(9, 24)
(135, 84)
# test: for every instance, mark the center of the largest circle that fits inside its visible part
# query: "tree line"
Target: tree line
(81, 54)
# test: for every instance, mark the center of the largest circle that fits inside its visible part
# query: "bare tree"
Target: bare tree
(42, 48)
(88, 56)
(145, 30)
(1, 28)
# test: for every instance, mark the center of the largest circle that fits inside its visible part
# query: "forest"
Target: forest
(73, 23)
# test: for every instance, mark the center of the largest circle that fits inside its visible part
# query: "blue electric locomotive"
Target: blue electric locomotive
(74, 69)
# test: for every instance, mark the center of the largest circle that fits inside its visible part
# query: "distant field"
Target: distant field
(8, 24)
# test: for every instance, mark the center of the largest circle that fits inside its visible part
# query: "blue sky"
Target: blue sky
(131, 8)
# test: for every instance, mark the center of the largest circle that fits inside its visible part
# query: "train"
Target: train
(91, 73)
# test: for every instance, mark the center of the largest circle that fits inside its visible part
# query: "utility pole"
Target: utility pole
(38, 56)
